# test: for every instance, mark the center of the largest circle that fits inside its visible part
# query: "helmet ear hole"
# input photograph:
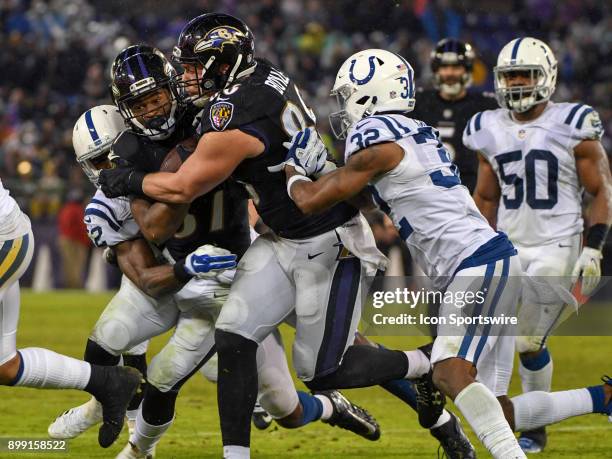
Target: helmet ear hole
(363, 100)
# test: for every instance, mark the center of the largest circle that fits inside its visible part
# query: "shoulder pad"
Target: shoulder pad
(473, 131)
(379, 129)
(104, 219)
(231, 108)
(125, 147)
(584, 121)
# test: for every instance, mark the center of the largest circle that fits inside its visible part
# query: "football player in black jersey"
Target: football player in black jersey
(302, 273)
(144, 91)
(449, 106)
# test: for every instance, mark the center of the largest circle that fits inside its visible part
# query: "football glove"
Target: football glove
(121, 181)
(588, 269)
(207, 260)
(306, 152)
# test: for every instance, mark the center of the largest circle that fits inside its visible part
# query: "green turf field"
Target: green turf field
(62, 321)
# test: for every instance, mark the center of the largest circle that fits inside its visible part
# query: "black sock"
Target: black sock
(401, 388)
(236, 386)
(140, 363)
(363, 366)
(158, 407)
(96, 355)
(97, 381)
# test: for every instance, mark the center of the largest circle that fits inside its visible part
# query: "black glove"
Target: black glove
(121, 181)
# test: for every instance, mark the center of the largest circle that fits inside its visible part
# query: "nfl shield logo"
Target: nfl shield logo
(221, 114)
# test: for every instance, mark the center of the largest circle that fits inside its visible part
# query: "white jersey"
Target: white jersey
(109, 221)
(536, 168)
(13, 222)
(423, 195)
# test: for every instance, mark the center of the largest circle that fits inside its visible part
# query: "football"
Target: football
(178, 154)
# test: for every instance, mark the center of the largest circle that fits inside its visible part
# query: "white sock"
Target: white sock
(418, 364)
(443, 419)
(536, 380)
(146, 435)
(45, 368)
(131, 414)
(328, 408)
(537, 409)
(484, 413)
(236, 452)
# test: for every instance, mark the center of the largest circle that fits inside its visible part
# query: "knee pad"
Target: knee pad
(112, 334)
(277, 394)
(158, 406)
(529, 343)
(97, 355)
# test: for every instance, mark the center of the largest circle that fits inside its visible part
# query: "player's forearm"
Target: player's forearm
(169, 187)
(159, 221)
(601, 208)
(487, 208)
(313, 197)
(159, 280)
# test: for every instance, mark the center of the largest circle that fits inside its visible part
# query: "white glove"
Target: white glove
(306, 152)
(588, 268)
(207, 260)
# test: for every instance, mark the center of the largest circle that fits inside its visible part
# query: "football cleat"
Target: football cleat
(533, 441)
(453, 440)
(430, 401)
(349, 416)
(121, 385)
(75, 421)
(130, 451)
(261, 418)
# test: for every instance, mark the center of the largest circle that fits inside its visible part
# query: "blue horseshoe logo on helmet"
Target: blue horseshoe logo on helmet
(369, 75)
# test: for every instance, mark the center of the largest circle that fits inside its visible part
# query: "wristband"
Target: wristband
(292, 180)
(180, 272)
(596, 236)
(134, 182)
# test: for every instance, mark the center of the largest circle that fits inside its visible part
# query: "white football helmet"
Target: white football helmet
(371, 81)
(530, 55)
(93, 135)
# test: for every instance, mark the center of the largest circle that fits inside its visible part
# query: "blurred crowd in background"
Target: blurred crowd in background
(56, 56)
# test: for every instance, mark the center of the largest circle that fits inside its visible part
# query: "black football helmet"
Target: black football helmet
(137, 72)
(221, 46)
(450, 51)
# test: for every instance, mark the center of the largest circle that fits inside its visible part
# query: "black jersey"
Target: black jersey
(450, 119)
(220, 217)
(268, 105)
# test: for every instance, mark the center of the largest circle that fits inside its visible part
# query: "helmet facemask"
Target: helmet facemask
(158, 122)
(340, 120)
(94, 161)
(521, 98)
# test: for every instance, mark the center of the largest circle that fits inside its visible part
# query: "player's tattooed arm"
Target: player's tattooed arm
(487, 192)
(137, 262)
(594, 173)
(214, 159)
(158, 221)
(345, 182)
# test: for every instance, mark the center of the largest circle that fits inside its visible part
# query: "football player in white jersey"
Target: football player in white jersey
(142, 308)
(38, 367)
(535, 158)
(414, 182)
